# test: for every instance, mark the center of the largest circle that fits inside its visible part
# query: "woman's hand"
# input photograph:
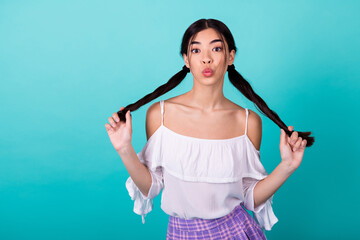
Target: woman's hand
(119, 132)
(291, 149)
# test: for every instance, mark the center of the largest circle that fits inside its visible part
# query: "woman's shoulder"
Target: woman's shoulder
(153, 113)
(254, 129)
(254, 125)
(153, 119)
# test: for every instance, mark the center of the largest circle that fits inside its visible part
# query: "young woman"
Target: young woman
(203, 150)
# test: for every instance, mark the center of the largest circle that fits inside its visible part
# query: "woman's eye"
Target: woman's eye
(218, 49)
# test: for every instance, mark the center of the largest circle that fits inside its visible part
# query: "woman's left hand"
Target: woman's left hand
(291, 149)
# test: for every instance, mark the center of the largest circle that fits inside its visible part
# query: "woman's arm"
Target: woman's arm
(292, 151)
(265, 188)
(138, 172)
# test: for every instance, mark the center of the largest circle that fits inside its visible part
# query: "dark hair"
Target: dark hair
(234, 76)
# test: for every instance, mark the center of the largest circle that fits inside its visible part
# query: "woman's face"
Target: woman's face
(207, 51)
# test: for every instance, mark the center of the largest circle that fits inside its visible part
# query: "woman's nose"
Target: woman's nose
(206, 58)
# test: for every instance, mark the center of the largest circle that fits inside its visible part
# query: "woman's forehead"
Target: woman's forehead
(206, 36)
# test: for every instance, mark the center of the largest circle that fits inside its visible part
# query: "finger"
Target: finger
(116, 117)
(112, 122)
(108, 127)
(297, 144)
(128, 119)
(282, 136)
(293, 138)
(290, 128)
(303, 143)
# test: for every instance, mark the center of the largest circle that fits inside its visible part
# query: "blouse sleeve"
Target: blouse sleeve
(144, 204)
(254, 172)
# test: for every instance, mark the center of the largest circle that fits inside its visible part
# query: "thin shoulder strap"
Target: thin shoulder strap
(247, 114)
(162, 111)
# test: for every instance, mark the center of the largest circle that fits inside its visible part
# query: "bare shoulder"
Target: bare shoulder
(153, 119)
(153, 115)
(254, 127)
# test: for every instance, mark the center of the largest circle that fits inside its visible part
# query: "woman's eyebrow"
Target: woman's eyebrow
(213, 41)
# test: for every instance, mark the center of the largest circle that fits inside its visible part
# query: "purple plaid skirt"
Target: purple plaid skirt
(238, 224)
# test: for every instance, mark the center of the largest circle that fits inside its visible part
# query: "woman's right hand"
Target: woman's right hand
(119, 132)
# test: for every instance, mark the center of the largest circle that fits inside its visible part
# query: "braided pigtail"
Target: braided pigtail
(161, 90)
(245, 88)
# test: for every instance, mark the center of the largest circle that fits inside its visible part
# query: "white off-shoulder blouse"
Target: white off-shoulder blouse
(201, 178)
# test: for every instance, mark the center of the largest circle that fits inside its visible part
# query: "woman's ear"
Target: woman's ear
(186, 60)
(232, 57)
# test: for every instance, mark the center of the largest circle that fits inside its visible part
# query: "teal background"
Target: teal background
(67, 66)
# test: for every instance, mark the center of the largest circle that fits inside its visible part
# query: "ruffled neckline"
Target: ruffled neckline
(204, 140)
(200, 159)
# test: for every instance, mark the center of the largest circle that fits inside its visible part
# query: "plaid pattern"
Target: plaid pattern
(236, 225)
